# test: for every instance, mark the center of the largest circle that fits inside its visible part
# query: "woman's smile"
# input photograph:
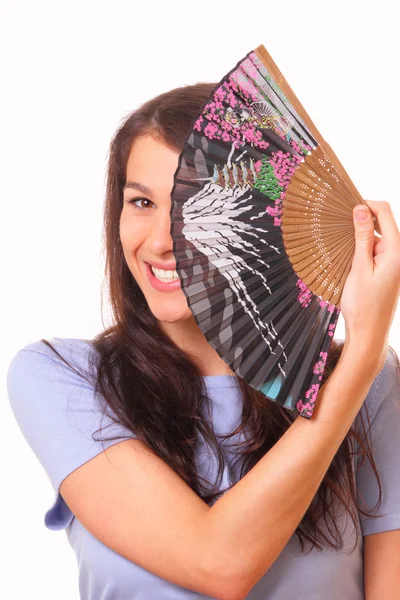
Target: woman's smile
(164, 281)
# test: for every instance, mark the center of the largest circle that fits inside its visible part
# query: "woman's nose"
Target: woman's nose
(159, 239)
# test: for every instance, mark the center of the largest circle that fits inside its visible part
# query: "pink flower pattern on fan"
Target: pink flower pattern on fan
(284, 165)
(275, 212)
(245, 86)
(227, 125)
(331, 308)
(320, 364)
(306, 408)
(306, 148)
(257, 166)
(331, 329)
(305, 295)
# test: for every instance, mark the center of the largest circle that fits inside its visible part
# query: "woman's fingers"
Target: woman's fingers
(387, 223)
(379, 245)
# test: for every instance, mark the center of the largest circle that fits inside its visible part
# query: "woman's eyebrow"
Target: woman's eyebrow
(137, 186)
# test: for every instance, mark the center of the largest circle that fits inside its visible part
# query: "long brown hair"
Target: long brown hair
(154, 388)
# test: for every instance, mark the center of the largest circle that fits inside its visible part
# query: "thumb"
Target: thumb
(364, 234)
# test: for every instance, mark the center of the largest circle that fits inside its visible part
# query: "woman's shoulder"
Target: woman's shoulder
(45, 374)
(44, 346)
(386, 385)
(383, 397)
(390, 372)
(386, 382)
(383, 406)
(51, 353)
(59, 412)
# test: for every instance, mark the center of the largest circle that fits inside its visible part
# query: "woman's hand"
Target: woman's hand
(370, 294)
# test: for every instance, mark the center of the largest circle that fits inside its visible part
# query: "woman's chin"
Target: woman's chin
(170, 312)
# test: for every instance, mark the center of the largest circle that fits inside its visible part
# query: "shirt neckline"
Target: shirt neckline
(226, 381)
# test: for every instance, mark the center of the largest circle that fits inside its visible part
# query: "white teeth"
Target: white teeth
(164, 275)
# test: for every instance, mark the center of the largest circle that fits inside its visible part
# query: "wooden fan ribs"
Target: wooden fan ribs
(315, 179)
(318, 202)
(269, 63)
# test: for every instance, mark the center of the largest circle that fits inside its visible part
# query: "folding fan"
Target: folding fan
(263, 234)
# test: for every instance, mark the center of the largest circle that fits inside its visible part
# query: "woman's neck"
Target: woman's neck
(188, 336)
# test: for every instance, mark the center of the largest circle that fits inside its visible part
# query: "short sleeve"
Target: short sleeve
(57, 412)
(384, 436)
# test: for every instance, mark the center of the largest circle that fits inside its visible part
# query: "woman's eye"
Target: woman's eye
(134, 200)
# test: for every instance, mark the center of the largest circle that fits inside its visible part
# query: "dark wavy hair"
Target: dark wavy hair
(154, 388)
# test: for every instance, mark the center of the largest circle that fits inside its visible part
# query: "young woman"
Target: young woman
(172, 477)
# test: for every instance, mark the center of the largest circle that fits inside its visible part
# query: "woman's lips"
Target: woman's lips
(160, 285)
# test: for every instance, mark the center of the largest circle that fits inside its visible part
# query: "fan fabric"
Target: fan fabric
(243, 152)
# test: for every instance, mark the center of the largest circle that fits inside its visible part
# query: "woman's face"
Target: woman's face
(145, 227)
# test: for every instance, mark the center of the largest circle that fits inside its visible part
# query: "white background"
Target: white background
(70, 72)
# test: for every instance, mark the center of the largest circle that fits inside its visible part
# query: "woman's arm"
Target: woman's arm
(250, 525)
(382, 565)
(133, 502)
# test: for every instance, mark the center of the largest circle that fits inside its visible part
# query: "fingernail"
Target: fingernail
(361, 213)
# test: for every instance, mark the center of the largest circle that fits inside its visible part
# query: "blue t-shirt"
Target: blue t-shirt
(57, 413)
